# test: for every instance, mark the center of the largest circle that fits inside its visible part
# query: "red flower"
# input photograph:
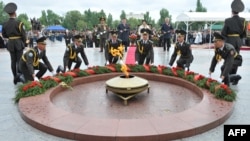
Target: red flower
(147, 68)
(69, 73)
(198, 77)
(90, 71)
(111, 67)
(31, 85)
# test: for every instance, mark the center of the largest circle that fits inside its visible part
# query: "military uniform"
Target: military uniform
(144, 50)
(103, 32)
(228, 53)
(71, 55)
(67, 38)
(111, 47)
(14, 31)
(184, 50)
(235, 28)
(30, 61)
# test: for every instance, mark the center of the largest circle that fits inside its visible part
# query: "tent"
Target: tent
(1, 28)
(55, 28)
(209, 17)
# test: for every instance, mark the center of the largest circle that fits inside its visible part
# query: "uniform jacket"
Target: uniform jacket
(234, 25)
(71, 53)
(124, 31)
(14, 28)
(103, 30)
(184, 51)
(109, 45)
(32, 57)
(227, 53)
(144, 49)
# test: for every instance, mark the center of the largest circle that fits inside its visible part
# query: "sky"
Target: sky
(114, 7)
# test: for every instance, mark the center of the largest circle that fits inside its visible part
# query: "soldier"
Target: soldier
(227, 52)
(30, 61)
(235, 28)
(113, 49)
(183, 49)
(103, 31)
(71, 55)
(67, 37)
(166, 29)
(144, 49)
(124, 31)
(14, 31)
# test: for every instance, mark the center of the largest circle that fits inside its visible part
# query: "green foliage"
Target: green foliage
(24, 18)
(3, 15)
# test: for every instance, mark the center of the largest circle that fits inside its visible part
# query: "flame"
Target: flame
(124, 69)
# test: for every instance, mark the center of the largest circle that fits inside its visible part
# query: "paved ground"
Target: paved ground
(13, 128)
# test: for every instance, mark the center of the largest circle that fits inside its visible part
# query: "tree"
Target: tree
(24, 18)
(110, 20)
(3, 14)
(71, 18)
(53, 18)
(123, 15)
(163, 14)
(199, 7)
(133, 23)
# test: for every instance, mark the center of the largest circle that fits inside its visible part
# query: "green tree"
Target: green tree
(3, 14)
(43, 18)
(123, 15)
(199, 7)
(133, 23)
(110, 20)
(24, 18)
(81, 25)
(71, 18)
(163, 14)
(53, 18)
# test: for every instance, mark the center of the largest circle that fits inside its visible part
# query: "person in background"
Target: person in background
(103, 32)
(144, 53)
(183, 49)
(67, 37)
(166, 30)
(13, 29)
(124, 31)
(30, 62)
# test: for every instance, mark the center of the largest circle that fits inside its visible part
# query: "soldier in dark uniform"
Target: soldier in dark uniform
(227, 52)
(71, 55)
(166, 30)
(235, 28)
(144, 49)
(124, 31)
(103, 31)
(183, 49)
(14, 31)
(113, 49)
(67, 37)
(30, 61)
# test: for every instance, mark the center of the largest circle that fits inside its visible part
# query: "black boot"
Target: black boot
(234, 78)
(59, 69)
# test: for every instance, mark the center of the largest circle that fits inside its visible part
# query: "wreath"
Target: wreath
(32, 88)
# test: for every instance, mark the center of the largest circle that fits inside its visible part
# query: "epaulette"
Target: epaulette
(150, 41)
(119, 40)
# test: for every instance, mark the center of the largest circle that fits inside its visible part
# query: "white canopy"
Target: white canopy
(207, 16)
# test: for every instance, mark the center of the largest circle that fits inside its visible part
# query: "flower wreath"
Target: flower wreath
(221, 91)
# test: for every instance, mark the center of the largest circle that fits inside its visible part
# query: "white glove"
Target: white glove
(53, 73)
(152, 64)
(209, 76)
(121, 62)
(219, 80)
(168, 66)
(89, 66)
(107, 63)
(136, 62)
(36, 79)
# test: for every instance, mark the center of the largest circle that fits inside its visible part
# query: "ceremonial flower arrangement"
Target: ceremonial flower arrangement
(133, 37)
(220, 90)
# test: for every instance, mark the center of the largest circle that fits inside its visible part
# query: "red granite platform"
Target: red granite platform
(60, 111)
